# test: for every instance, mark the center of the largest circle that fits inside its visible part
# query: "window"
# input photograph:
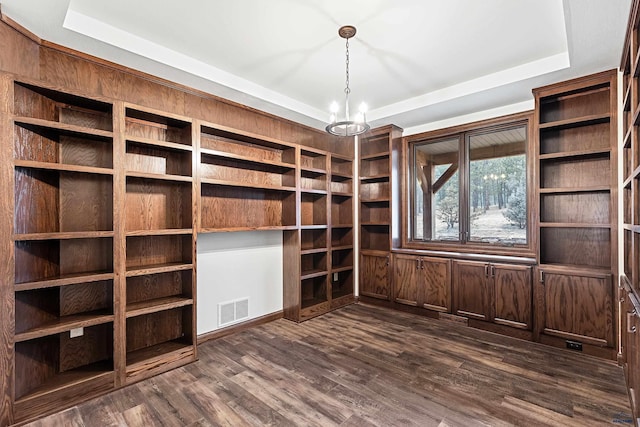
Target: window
(471, 187)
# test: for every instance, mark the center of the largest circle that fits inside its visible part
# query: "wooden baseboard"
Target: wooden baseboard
(219, 333)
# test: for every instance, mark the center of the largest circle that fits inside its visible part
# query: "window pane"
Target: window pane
(436, 207)
(497, 187)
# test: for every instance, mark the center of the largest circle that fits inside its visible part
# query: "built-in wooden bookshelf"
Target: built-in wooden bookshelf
(376, 204)
(576, 152)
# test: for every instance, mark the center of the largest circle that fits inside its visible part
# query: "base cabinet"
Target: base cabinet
(498, 293)
(422, 282)
(630, 345)
(575, 305)
(375, 279)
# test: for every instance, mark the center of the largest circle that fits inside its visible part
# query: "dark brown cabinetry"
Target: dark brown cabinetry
(498, 293)
(375, 277)
(422, 281)
(576, 153)
(576, 305)
(377, 204)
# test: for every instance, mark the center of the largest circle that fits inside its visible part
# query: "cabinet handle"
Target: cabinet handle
(486, 270)
(541, 276)
(387, 260)
(493, 271)
(421, 264)
(631, 329)
(417, 263)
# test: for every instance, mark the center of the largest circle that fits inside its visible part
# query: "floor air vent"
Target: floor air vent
(233, 311)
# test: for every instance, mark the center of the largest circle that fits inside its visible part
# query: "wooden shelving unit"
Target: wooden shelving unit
(629, 292)
(378, 175)
(576, 152)
(63, 245)
(160, 242)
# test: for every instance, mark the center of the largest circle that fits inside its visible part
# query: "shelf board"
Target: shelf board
(306, 303)
(341, 194)
(63, 235)
(158, 143)
(376, 200)
(63, 127)
(70, 379)
(163, 232)
(158, 176)
(62, 167)
(313, 191)
(341, 157)
(313, 251)
(208, 181)
(316, 171)
(374, 252)
(341, 175)
(158, 268)
(573, 225)
(592, 189)
(576, 122)
(341, 225)
(583, 268)
(235, 229)
(231, 156)
(341, 269)
(341, 248)
(64, 324)
(64, 280)
(378, 177)
(314, 227)
(379, 155)
(156, 305)
(162, 350)
(310, 274)
(375, 224)
(577, 153)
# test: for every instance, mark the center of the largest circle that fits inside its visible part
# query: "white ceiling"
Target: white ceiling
(420, 64)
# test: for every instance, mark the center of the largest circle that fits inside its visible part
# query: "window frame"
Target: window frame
(463, 133)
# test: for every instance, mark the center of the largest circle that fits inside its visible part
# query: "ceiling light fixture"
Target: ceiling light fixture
(346, 126)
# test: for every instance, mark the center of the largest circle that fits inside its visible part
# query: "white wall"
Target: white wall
(238, 265)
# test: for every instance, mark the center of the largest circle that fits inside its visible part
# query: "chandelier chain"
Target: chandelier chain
(346, 89)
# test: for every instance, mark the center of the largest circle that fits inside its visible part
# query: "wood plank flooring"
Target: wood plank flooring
(368, 366)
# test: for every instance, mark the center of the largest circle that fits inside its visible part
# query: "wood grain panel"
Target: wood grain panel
(436, 287)
(589, 247)
(20, 55)
(291, 268)
(36, 201)
(471, 290)
(86, 202)
(341, 210)
(146, 251)
(576, 173)
(86, 297)
(375, 237)
(374, 276)
(375, 212)
(374, 190)
(574, 104)
(36, 361)
(7, 264)
(86, 255)
(581, 138)
(579, 307)
(589, 208)
(95, 345)
(141, 158)
(512, 295)
(156, 328)
(374, 167)
(153, 286)
(157, 205)
(405, 279)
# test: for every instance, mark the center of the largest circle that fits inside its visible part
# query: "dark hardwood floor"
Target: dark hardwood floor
(368, 366)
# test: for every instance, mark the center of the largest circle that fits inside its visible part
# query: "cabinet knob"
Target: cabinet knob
(631, 329)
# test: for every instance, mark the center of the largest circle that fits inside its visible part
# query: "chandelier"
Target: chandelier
(345, 126)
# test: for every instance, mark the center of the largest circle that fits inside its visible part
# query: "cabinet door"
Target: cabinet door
(512, 295)
(405, 279)
(471, 290)
(374, 276)
(436, 283)
(578, 306)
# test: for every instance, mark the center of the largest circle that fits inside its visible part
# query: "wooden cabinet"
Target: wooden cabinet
(576, 305)
(630, 343)
(422, 281)
(379, 208)
(576, 153)
(375, 277)
(498, 293)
